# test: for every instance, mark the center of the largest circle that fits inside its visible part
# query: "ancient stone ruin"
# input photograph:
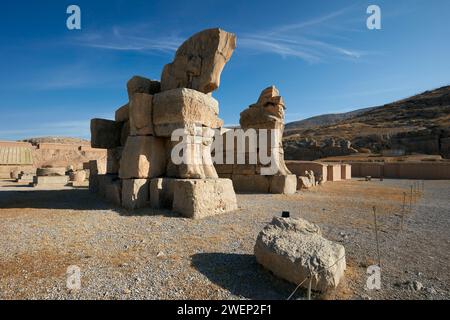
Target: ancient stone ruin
(52, 176)
(266, 119)
(140, 171)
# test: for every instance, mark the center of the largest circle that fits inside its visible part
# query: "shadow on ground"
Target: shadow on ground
(71, 199)
(75, 199)
(242, 276)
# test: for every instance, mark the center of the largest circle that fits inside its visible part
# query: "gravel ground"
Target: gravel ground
(152, 254)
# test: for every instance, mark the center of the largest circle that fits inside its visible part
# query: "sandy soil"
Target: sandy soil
(158, 255)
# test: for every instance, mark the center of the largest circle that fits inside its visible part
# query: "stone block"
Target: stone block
(113, 160)
(141, 114)
(283, 184)
(77, 176)
(123, 113)
(109, 187)
(161, 193)
(135, 193)
(199, 198)
(42, 181)
(143, 157)
(246, 169)
(224, 168)
(183, 108)
(195, 158)
(251, 183)
(126, 131)
(139, 84)
(105, 133)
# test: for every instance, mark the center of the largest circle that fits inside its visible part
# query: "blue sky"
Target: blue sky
(319, 54)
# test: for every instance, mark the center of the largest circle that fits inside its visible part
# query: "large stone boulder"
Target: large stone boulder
(199, 61)
(181, 108)
(294, 249)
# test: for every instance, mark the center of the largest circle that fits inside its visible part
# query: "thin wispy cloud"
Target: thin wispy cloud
(304, 40)
(133, 38)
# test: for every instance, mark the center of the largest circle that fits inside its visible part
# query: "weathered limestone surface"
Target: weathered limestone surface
(283, 184)
(123, 113)
(25, 177)
(77, 176)
(42, 181)
(267, 113)
(294, 249)
(126, 131)
(113, 160)
(135, 193)
(183, 108)
(105, 133)
(113, 192)
(143, 157)
(139, 84)
(195, 150)
(199, 61)
(199, 198)
(141, 114)
(161, 193)
(251, 183)
(250, 171)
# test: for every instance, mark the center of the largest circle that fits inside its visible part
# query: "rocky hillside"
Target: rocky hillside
(419, 124)
(323, 120)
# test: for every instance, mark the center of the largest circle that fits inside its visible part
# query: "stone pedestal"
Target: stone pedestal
(193, 198)
(199, 198)
(135, 193)
(50, 181)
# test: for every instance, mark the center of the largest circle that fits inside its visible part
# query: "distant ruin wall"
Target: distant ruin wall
(403, 170)
(299, 167)
(24, 156)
